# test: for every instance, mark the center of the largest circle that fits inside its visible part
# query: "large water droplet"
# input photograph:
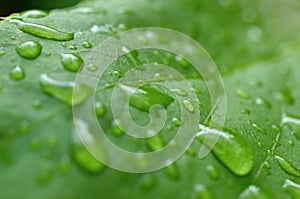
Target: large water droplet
(71, 62)
(29, 49)
(231, 149)
(63, 90)
(83, 158)
(17, 73)
(292, 188)
(34, 14)
(258, 127)
(188, 105)
(155, 143)
(201, 192)
(253, 192)
(43, 31)
(212, 172)
(147, 181)
(287, 166)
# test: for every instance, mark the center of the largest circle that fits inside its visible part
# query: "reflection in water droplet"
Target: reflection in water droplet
(292, 188)
(147, 181)
(63, 90)
(17, 73)
(115, 128)
(267, 165)
(191, 152)
(287, 166)
(100, 109)
(34, 14)
(71, 62)
(43, 31)
(212, 172)
(86, 44)
(155, 143)
(231, 149)
(253, 192)
(201, 192)
(188, 105)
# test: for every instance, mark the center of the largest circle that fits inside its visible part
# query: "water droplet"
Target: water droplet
(257, 127)
(172, 171)
(63, 90)
(17, 73)
(292, 188)
(188, 105)
(155, 143)
(29, 49)
(287, 166)
(34, 14)
(71, 62)
(212, 172)
(35, 144)
(180, 92)
(242, 94)
(92, 68)
(83, 158)
(86, 44)
(2, 52)
(253, 192)
(231, 149)
(115, 128)
(267, 165)
(191, 152)
(64, 165)
(118, 73)
(73, 47)
(144, 97)
(291, 142)
(254, 34)
(108, 29)
(43, 31)
(147, 181)
(176, 121)
(201, 192)
(45, 176)
(100, 109)
(52, 142)
(260, 101)
(246, 111)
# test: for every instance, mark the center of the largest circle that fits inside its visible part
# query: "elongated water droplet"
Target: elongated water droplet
(100, 109)
(242, 94)
(71, 62)
(287, 166)
(188, 105)
(201, 192)
(144, 97)
(258, 127)
(212, 172)
(63, 90)
(29, 49)
(147, 181)
(292, 188)
(43, 31)
(180, 92)
(86, 44)
(253, 192)
(115, 128)
(17, 73)
(155, 143)
(83, 158)
(231, 149)
(34, 14)
(172, 171)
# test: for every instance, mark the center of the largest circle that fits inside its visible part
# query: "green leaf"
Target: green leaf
(259, 60)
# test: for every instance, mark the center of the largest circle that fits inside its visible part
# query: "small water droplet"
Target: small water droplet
(242, 94)
(63, 90)
(2, 52)
(64, 165)
(188, 105)
(36, 104)
(292, 188)
(257, 127)
(246, 111)
(115, 128)
(287, 166)
(71, 62)
(73, 47)
(17, 73)
(45, 176)
(267, 165)
(147, 181)
(100, 109)
(176, 121)
(34, 14)
(201, 192)
(52, 142)
(29, 49)
(155, 143)
(172, 171)
(231, 149)
(253, 192)
(42, 31)
(108, 29)
(35, 144)
(180, 92)
(264, 102)
(191, 152)
(291, 142)
(86, 44)
(213, 172)
(254, 34)
(92, 68)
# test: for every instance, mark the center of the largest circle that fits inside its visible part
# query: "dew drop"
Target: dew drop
(92, 68)
(43, 31)
(35, 144)
(188, 105)
(147, 181)
(86, 44)
(291, 142)
(17, 73)
(231, 149)
(29, 49)
(52, 142)
(287, 166)
(191, 152)
(45, 176)
(176, 121)
(115, 128)
(100, 109)
(180, 92)
(71, 62)
(155, 143)
(201, 192)
(292, 188)
(242, 94)
(267, 165)
(253, 192)
(63, 90)
(34, 14)
(2, 52)
(172, 172)
(73, 47)
(213, 172)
